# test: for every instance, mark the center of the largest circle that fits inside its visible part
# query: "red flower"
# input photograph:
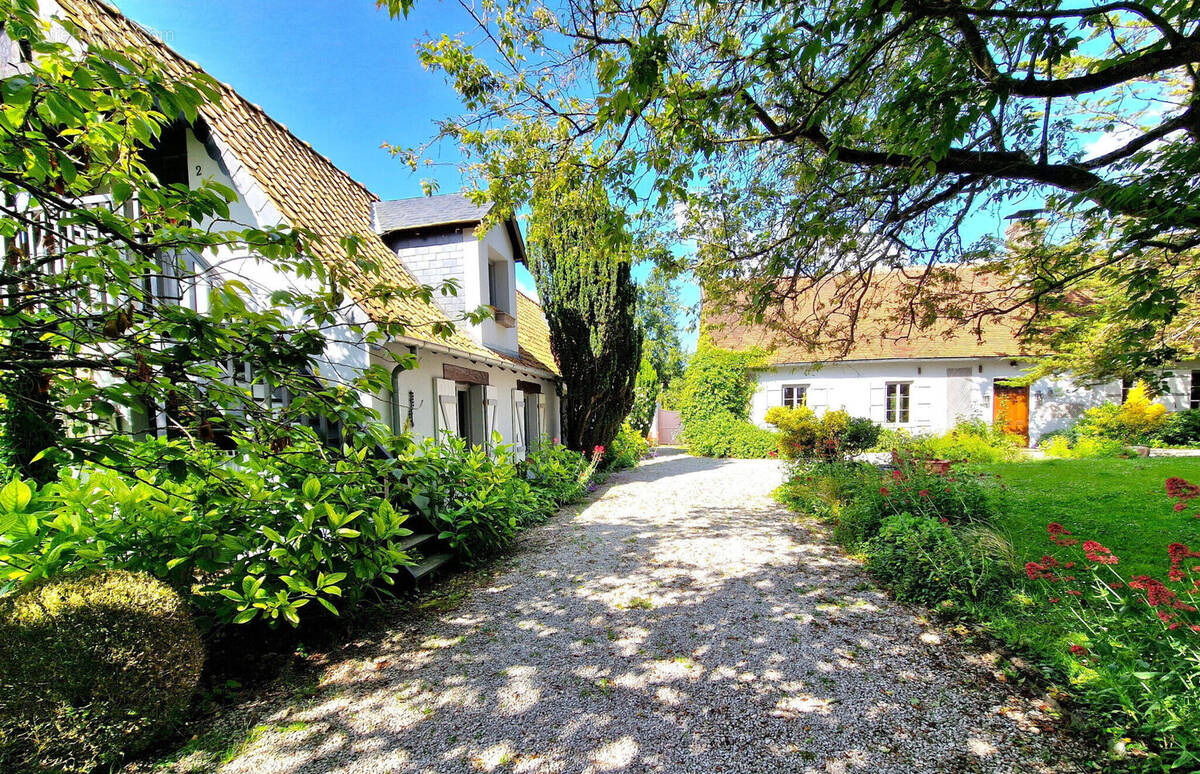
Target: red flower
(1075, 593)
(1098, 553)
(1181, 489)
(1179, 506)
(1079, 650)
(897, 475)
(923, 493)
(883, 490)
(1055, 600)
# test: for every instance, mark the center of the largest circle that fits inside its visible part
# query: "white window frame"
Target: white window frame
(790, 402)
(901, 413)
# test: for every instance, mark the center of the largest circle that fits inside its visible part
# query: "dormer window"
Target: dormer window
(498, 292)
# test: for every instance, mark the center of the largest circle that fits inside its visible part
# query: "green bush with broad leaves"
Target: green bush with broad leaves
(627, 448)
(1182, 428)
(92, 667)
(924, 561)
(254, 537)
(557, 474)
(477, 500)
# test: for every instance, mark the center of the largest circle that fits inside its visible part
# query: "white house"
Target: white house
(495, 376)
(923, 382)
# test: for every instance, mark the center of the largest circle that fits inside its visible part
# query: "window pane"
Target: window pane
(787, 396)
(1195, 396)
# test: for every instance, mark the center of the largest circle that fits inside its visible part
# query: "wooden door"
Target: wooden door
(1010, 410)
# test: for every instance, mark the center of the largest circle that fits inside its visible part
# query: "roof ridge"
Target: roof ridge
(112, 10)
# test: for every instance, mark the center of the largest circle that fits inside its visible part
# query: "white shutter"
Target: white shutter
(491, 401)
(923, 405)
(817, 399)
(774, 395)
(538, 425)
(445, 409)
(877, 403)
(518, 424)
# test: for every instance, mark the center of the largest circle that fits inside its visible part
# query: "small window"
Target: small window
(498, 286)
(898, 396)
(1194, 397)
(795, 395)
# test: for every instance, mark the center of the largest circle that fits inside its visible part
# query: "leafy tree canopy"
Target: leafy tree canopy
(660, 312)
(823, 142)
(121, 295)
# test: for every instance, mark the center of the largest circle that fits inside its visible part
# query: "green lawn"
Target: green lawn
(1118, 502)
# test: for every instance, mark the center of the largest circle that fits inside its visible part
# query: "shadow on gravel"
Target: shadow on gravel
(654, 632)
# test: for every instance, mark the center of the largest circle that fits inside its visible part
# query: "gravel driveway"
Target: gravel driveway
(680, 622)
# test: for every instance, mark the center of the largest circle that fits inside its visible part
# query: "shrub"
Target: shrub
(477, 500)
(1085, 447)
(557, 474)
(724, 435)
(716, 382)
(646, 387)
(628, 447)
(833, 436)
(259, 537)
(955, 497)
(823, 488)
(924, 561)
(92, 667)
(1137, 420)
(1181, 428)
(974, 441)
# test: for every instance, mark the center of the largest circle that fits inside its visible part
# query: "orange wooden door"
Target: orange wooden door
(1010, 410)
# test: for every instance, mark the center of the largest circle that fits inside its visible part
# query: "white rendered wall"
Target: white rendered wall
(420, 381)
(1053, 403)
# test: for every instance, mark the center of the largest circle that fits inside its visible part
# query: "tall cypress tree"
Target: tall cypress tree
(581, 255)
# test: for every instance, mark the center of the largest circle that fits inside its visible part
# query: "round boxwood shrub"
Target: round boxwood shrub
(92, 667)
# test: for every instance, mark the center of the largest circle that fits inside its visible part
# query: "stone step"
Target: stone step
(429, 564)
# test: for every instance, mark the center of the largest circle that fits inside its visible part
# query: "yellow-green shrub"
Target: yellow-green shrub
(92, 667)
(833, 436)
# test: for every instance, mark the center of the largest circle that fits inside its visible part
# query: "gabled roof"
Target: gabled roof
(533, 335)
(307, 188)
(879, 334)
(424, 213)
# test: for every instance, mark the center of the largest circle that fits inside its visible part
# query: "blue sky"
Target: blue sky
(340, 74)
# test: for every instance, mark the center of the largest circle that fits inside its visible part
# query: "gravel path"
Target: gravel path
(681, 622)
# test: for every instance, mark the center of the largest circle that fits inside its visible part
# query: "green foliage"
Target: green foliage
(834, 436)
(250, 537)
(557, 474)
(93, 342)
(1182, 428)
(925, 561)
(645, 400)
(580, 254)
(724, 435)
(1084, 447)
(92, 667)
(968, 441)
(918, 489)
(716, 382)
(627, 449)
(811, 141)
(30, 424)
(1136, 421)
(822, 489)
(659, 311)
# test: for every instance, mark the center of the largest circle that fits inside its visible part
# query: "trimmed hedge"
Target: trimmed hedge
(725, 435)
(92, 667)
